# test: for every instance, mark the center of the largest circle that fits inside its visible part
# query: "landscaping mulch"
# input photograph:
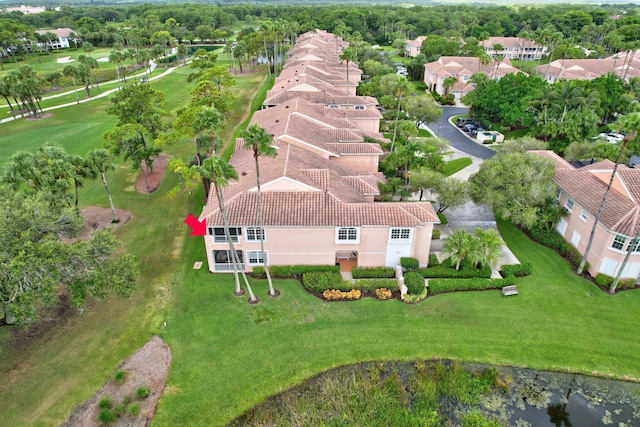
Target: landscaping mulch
(148, 367)
(154, 178)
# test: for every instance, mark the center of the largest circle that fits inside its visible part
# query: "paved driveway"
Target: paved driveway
(457, 138)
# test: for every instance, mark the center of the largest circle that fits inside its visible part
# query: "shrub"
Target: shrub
(373, 284)
(372, 272)
(107, 416)
(142, 392)
(604, 280)
(292, 271)
(134, 409)
(321, 281)
(416, 298)
(105, 403)
(445, 269)
(517, 270)
(438, 286)
(120, 376)
(435, 234)
(409, 263)
(414, 283)
(549, 238)
(433, 260)
(383, 294)
(443, 219)
(337, 295)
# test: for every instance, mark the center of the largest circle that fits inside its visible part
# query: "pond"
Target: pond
(435, 393)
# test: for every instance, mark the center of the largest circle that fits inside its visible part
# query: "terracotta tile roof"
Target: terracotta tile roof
(356, 148)
(315, 209)
(461, 65)
(587, 190)
(60, 32)
(559, 161)
(417, 42)
(588, 69)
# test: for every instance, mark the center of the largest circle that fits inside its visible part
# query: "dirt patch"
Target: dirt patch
(96, 218)
(154, 178)
(41, 116)
(148, 368)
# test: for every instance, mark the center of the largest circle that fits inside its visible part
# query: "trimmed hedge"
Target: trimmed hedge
(439, 286)
(374, 284)
(414, 283)
(338, 295)
(606, 281)
(553, 240)
(416, 298)
(433, 260)
(383, 294)
(517, 270)
(446, 270)
(293, 271)
(436, 234)
(409, 263)
(372, 272)
(320, 281)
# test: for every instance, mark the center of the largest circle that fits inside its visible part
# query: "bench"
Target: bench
(509, 290)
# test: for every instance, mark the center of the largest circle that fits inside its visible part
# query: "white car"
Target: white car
(611, 138)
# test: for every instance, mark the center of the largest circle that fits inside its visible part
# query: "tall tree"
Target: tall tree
(101, 161)
(631, 124)
(260, 142)
(219, 172)
(458, 245)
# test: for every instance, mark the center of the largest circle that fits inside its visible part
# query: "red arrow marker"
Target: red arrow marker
(199, 228)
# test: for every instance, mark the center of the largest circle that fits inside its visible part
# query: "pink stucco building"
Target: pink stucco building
(319, 191)
(581, 191)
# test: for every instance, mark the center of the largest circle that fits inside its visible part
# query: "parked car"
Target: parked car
(464, 121)
(611, 137)
(470, 127)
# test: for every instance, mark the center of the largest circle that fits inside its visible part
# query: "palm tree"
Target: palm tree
(101, 161)
(488, 246)
(259, 141)
(115, 56)
(70, 71)
(80, 170)
(448, 83)
(402, 85)
(220, 172)
(348, 55)
(458, 246)
(631, 124)
(181, 51)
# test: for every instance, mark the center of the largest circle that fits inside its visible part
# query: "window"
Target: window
(558, 191)
(255, 257)
(347, 235)
(219, 236)
(619, 241)
(334, 106)
(359, 107)
(636, 246)
(583, 215)
(223, 261)
(400, 233)
(253, 234)
(569, 204)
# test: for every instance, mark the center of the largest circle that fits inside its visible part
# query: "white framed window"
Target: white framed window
(255, 257)
(558, 191)
(569, 204)
(583, 215)
(334, 106)
(400, 234)
(347, 235)
(358, 107)
(253, 234)
(636, 246)
(223, 261)
(219, 236)
(619, 241)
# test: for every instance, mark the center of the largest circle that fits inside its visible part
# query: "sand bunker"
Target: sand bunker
(64, 60)
(105, 59)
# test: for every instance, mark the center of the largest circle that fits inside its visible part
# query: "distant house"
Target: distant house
(63, 37)
(412, 47)
(318, 192)
(624, 64)
(462, 68)
(513, 48)
(580, 191)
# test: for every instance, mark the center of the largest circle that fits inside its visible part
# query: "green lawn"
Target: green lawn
(229, 355)
(455, 165)
(49, 63)
(43, 381)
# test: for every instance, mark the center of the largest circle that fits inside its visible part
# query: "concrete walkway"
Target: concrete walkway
(152, 67)
(469, 216)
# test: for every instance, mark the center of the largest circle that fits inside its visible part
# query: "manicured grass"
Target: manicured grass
(49, 63)
(455, 165)
(236, 355)
(42, 382)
